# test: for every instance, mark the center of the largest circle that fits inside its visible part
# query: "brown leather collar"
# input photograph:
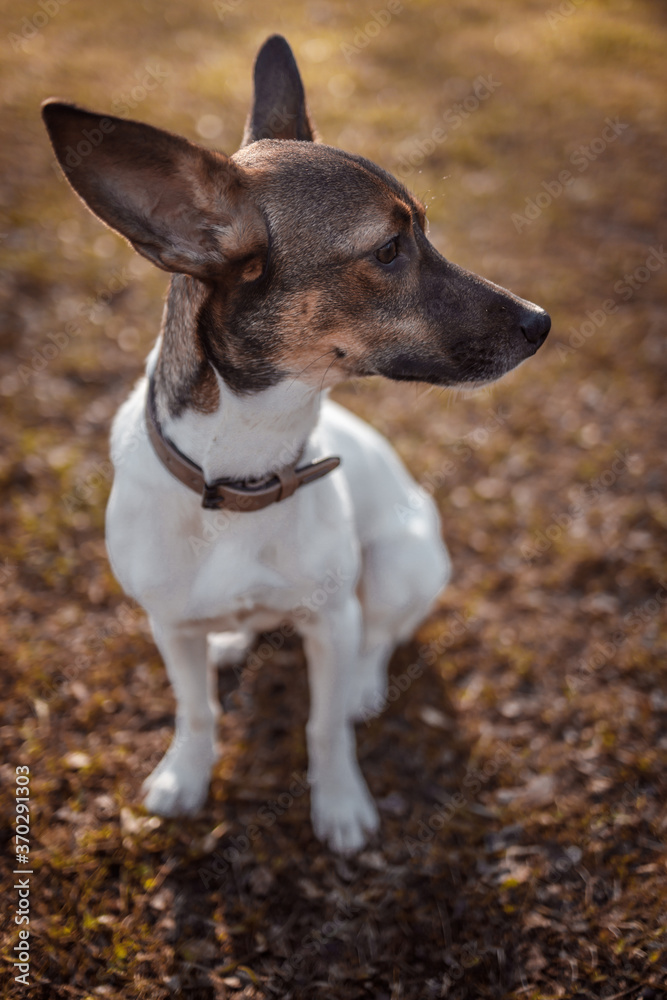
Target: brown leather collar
(226, 494)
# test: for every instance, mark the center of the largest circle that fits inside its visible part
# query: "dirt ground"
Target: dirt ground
(521, 775)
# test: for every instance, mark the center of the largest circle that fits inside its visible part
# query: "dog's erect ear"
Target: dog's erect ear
(183, 207)
(279, 107)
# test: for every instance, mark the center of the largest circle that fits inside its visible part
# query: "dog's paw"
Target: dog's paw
(179, 784)
(346, 818)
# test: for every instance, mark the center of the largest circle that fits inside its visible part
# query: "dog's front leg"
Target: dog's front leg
(342, 810)
(179, 784)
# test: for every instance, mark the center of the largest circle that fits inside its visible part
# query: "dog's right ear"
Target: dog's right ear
(279, 106)
(183, 207)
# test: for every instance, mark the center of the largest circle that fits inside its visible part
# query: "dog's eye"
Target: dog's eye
(388, 252)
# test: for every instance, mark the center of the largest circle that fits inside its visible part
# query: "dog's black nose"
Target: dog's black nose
(536, 326)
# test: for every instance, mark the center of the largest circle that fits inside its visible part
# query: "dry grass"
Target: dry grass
(544, 711)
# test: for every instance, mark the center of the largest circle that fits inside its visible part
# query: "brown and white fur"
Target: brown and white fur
(295, 266)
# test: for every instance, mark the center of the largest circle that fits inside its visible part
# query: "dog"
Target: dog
(243, 498)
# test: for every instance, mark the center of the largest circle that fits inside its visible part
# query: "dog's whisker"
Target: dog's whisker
(319, 358)
(333, 361)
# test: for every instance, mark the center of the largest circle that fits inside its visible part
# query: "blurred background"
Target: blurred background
(520, 778)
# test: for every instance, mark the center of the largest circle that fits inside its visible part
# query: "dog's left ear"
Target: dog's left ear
(186, 208)
(279, 106)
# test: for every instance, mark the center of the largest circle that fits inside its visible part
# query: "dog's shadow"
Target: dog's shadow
(268, 904)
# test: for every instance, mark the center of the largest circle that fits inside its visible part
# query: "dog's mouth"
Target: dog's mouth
(460, 368)
(405, 367)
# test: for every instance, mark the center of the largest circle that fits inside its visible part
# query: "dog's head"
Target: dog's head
(315, 262)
